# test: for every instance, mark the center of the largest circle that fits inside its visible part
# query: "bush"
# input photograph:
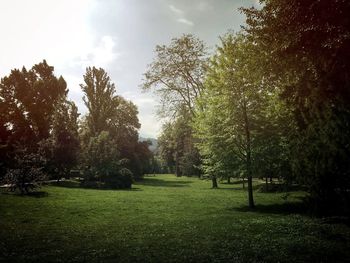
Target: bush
(103, 164)
(123, 179)
(26, 173)
(92, 184)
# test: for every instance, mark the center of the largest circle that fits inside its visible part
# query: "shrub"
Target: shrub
(26, 173)
(120, 180)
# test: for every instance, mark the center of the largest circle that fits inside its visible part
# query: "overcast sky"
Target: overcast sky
(117, 35)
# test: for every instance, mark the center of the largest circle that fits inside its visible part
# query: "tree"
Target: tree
(63, 145)
(124, 128)
(103, 163)
(230, 110)
(27, 103)
(176, 147)
(307, 56)
(166, 145)
(26, 172)
(176, 76)
(110, 114)
(219, 160)
(99, 99)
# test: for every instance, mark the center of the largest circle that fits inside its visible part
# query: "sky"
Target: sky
(117, 35)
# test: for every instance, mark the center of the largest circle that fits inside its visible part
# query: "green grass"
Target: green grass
(164, 219)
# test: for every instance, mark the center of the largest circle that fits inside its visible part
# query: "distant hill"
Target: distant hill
(154, 146)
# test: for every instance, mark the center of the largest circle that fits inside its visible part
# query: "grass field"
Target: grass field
(164, 219)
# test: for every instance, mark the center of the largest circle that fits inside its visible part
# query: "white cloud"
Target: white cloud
(180, 14)
(101, 55)
(176, 10)
(185, 21)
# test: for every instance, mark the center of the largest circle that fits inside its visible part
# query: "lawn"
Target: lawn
(165, 219)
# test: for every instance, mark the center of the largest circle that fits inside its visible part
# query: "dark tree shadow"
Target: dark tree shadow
(67, 184)
(239, 187)
(163, 183)
(37, 194)
(234, 182)
(132, 189)
(282, 209)
(229, 188)
(77, 184)
(280, 188)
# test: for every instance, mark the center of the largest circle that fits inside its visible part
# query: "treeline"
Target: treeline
(272, 101)
(42, 136)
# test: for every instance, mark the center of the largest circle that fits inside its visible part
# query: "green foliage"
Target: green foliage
(103, 163)
(28, 101)
(101, 157)
(99, 98)
(230, 109)
(176, 147)
(166, 146)
(61, 149)
(176, 74)
(110, 133)
(25, 173)
(176, 77)
(306, 49)
(123, 179)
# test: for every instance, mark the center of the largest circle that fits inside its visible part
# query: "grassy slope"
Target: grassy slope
(163, 219)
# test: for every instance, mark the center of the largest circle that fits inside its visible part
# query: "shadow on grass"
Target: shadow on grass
(163, 183)
(78, 185)
(261, 187)
(36, 194)
(229, 188)
(239, 187)
(280, 188)
(281, 209)
(234, 182)
(67, 184)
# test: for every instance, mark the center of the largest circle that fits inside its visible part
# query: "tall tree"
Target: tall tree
(27, 100)
(27, 104)
(229, 111)
(307, 47)
(176, 76)
(100, 99)
(110, 117)
(63, 145)
(166, 145)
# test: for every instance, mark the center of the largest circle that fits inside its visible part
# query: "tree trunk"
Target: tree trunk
(250, 192)
(266, 184)
(177, 170)
(243, 183)
(228, 180)
(248, 157)
(214, 181)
